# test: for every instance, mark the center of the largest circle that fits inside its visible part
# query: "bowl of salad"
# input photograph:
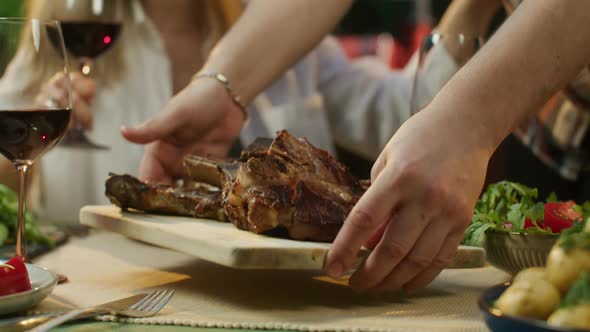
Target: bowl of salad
(555, 297)
(513, 252)
(516, 229)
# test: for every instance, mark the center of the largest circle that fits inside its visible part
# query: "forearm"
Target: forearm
(536, 52)
(269, 38)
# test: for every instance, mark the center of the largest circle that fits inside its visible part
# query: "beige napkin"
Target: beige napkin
(106, 266)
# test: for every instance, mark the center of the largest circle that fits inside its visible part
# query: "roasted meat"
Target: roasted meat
(186, 198)
(210, 171)
(286, 183)
(281, 184)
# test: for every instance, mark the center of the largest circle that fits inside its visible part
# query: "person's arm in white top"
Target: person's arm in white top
(365, 100)
(269, 38)
(262, 38)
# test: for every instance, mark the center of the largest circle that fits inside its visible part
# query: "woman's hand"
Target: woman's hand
(201, 119)
(424, 186)
(54, 93)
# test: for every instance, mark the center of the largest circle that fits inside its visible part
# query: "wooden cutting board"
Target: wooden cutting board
(224, 244)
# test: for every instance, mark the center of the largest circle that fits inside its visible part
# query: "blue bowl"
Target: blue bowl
(498, 322)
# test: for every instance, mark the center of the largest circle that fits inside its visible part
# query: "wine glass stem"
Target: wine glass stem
(21, 233)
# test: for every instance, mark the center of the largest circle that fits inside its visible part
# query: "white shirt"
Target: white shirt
(326, 98)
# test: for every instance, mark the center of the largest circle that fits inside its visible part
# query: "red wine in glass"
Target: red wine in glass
(87, 40)
(29, 128)
(24, 136)
(27, 134)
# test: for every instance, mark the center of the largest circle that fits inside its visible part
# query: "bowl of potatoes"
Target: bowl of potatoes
(554, 297)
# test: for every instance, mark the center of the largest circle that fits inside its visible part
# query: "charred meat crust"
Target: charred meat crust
(186, 198)
(293, 186)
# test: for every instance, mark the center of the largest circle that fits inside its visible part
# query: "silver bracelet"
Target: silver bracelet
(223, 80)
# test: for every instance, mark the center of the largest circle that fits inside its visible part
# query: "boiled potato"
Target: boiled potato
(531, 274)
(575, 306)
(564, 266)
(575, 317)
(529, 298)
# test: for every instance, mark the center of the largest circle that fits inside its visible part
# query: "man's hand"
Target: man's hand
(201, 119)
(424, 187)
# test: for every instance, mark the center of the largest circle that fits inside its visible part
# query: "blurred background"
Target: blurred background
(389, 29)
(10, 8)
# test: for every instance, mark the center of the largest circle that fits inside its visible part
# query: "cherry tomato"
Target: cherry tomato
(560, 215)
(14, 277)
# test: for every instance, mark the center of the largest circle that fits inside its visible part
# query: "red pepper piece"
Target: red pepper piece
(14, 277)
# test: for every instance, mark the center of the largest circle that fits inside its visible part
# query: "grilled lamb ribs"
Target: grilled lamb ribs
(289, 184)
(186, 198)
(281, 184)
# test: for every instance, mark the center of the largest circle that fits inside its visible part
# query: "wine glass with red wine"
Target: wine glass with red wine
(27, 128)
(90, 28)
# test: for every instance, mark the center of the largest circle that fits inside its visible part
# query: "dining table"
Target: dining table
(91, 326)
(103, 266)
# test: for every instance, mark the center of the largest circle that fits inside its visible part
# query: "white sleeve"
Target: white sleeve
(366, 101)
(436, 70)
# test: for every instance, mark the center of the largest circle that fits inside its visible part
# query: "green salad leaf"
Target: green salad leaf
(579, 292)
(3, 234)
(575, 237)
(9, 220)
(505, 206)
(552, 198)
(584, 209)
(475, 233)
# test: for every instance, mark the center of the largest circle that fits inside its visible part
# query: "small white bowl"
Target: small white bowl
(42, 283)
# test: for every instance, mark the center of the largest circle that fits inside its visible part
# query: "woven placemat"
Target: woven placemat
(106, 266)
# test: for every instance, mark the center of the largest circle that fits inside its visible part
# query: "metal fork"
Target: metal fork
(138, 306)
